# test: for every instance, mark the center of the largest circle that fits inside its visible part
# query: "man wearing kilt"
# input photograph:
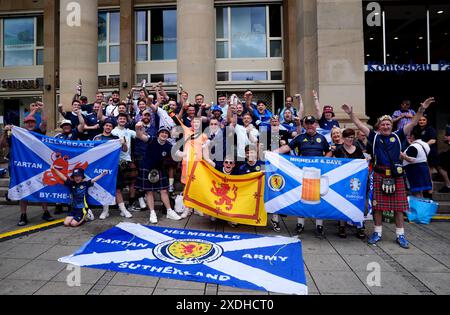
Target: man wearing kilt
(389, 184)
(152, 175)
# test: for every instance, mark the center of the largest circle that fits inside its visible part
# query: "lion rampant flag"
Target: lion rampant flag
(238, 199)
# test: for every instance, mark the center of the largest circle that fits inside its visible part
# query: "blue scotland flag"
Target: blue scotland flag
(32, 156)
(316, 187)
(246, 261)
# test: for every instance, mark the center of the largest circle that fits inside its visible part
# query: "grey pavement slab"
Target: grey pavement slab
(351, 247)
(392, 248)
(87, 275)
(391, 283)
(343, 282)
(318, 247)
(44, 238)
(61, 288)
(360, 262)
(26, 251)
(37, 270)
(10, 265)
(58, 251)
(439, 247)
(420, 263)
(163, 291)
(165, 283)
(325, 263)
(125, 279)
(211, 289)
(19, 287)
(443, 259)
(123, 290)
(439, 283)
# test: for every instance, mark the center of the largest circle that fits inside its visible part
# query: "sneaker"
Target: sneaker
(104, 215)
(90, 216)
(125, 213)
(342, 233)
(198, 213)
(135, 208)
(319, 231)
(375, 238)
(58, 209)
(142, 203)
(187, 212)
(299, 228)
(233, 224)
(403, 242)
(46, 216)
(275, 226)
(153, 217)
(172, 215)
(444, 190)
(23, 220)
(171, 189)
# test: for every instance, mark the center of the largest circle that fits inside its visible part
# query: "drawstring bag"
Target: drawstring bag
(179, 206)
(421, 211)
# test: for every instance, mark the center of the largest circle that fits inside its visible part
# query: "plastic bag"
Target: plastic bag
(179, 206)
(421, 211)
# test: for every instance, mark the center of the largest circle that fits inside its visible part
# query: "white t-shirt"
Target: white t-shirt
(242, 139)
(128, 134)
(112, 110)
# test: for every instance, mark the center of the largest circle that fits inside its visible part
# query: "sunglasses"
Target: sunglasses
(229, 162)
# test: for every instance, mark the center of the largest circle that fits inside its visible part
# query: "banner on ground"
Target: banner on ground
(316, 187)
(239, 199)
(247, 261)
(32, 156)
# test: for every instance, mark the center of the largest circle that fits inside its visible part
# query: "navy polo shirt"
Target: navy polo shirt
(156, 154)
(392, 149)
(247, 168)
(73, 135)
(306, 145)
(328, 124)
(79, 193)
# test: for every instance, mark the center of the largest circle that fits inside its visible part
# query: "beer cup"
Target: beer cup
(314, 186)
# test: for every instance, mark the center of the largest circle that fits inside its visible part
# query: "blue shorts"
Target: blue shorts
(78, 214)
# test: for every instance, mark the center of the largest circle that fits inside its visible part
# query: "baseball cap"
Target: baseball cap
(29, 118)
(217, 108)
(66, 122)
(163, 128)
(309, 120)
(78, 172)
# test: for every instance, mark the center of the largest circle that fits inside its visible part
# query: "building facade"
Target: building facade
(341, 48)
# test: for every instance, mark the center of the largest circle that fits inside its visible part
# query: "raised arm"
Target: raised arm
(283, 150)
(301, 106)
(100, 115)
(317, 104)
(140, 133)
(82, 123)
(43, 125)
(59, 174)
(96, 179)
(415, 120)
(362, 127)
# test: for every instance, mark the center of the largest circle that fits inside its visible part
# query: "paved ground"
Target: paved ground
(28, 265)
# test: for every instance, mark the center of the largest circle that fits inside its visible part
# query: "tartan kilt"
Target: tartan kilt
(142, 182)
(397, 202)
(130, 172)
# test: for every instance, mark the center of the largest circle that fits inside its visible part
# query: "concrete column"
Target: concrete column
(78, 48)
(127, 47)
(51, 59)
(196, 47)
(330, 47)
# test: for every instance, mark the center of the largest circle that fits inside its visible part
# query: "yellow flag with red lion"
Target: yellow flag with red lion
(239, 199)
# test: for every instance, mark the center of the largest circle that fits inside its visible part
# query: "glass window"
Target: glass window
(440, 33)
(114, 27)
(222, 23)
(102, 36)
(114, 53)
(406, 34)
(222, 76)
(166, 78)
(141, 26)
(275, 20)
(249, 76)
(18, 42)
(248, 32)
(40, 31)
(142, 52)
(275, 48)
(222, 50)
(276, 75)
(163, 34)
(39, 57)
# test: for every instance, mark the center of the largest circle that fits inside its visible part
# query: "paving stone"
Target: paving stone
(312, 288)
(125, 279)
(325, 262)
(360, 262)
(443, 259)
(391, 283)
(211, 289)
(392, 248)
(26, 251)
(45, 238)
(163, 291)
(319, 247)
(344, 247)
(338, 282)
(439, 283)
(19, 287)
(61, 288)
(37, 270)
(420, 263)
(58, 251)
(226, 290)
(433, 247)
(10, 265)
(87, 275)
(123, 290)
(165, 283)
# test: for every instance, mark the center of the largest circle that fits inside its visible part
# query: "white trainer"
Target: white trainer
(125, 213)
(172, 215)
(142, 203)
(90, 216)
(199, 213)
(187, 212)
(153, 217)
(104, 214)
